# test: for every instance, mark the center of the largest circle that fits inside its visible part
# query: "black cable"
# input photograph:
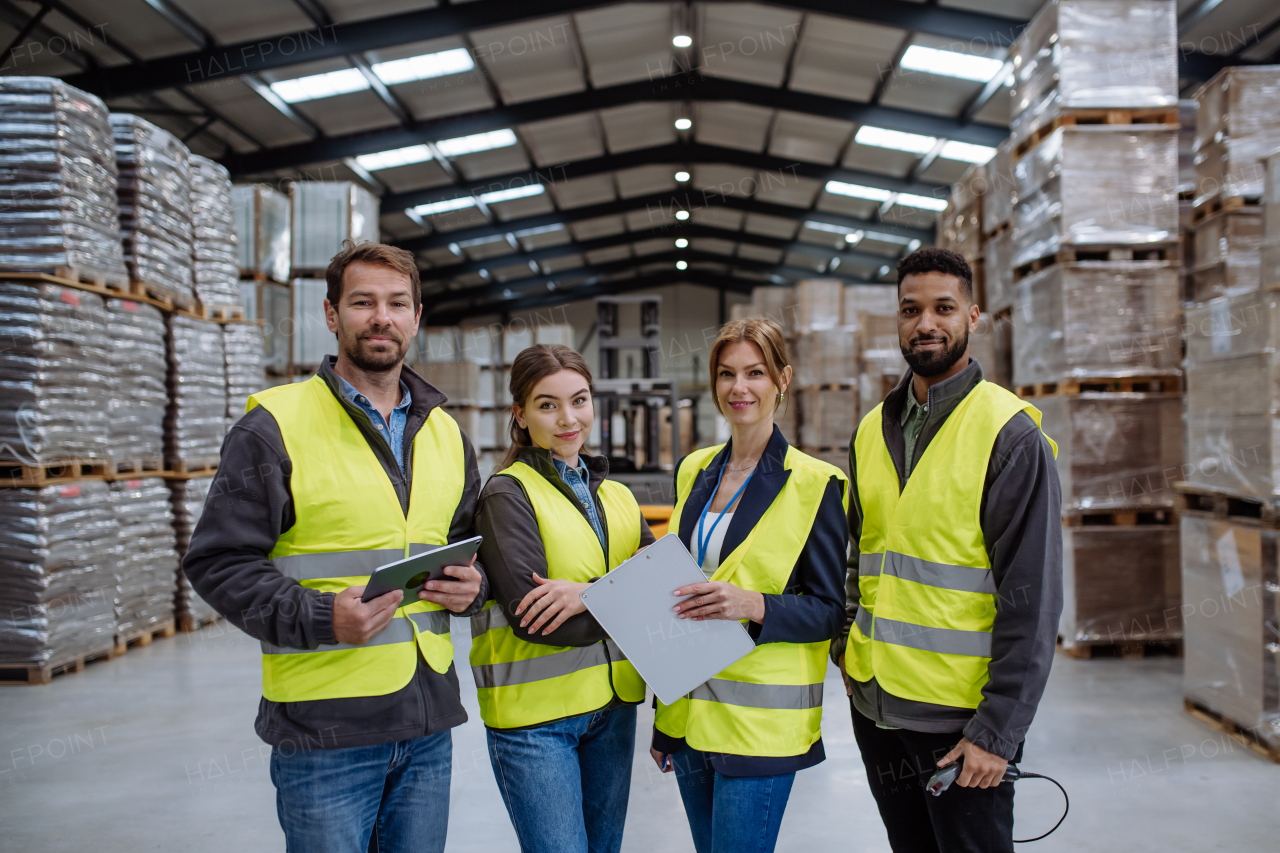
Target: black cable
(1025, 775)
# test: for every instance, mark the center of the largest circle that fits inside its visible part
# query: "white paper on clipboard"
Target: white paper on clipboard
(633, 604)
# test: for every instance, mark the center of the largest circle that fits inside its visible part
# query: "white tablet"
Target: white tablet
(633, 603)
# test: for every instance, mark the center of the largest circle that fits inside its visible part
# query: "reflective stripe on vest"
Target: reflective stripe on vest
(348, 522)
(523, 684)
(927, 594)
(770, 702)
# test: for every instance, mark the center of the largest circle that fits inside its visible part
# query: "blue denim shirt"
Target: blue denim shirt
(392, 433)
(580, 481)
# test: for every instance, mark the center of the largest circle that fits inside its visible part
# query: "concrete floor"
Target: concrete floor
(156, 751)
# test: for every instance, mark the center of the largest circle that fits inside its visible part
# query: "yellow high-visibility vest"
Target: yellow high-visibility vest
(523, 684)
(770, 702)
(927, 594)
(349, 522)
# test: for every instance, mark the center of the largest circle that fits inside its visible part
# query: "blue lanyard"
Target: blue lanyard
(704, 543)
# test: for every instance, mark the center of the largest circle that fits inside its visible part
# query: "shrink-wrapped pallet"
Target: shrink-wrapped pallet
(1230, 602)
(55, 364)
(135, 416)
(787, 417)
(154, 189)
(827, 357)
(997, 201)
(880, 361)
(1233, 394)
(999, 271)
(242, 345)
(58, 176)
(325, 213)
(1121, 584)
(818, 304)
(468, 418)
(1090, 186)
(1271, 198)
(311, 339)
(1097, 319)
(960, 229)
(459, 381)
(828, 417)
(1094, 53)
(1115, 450)
(777, 304)
(58, 551)
(196, 419)
(1238, 124)
(992, 346)
(1227, 259)
(188, 500)
(1187, 110)
(215, 255)
(148, 556)
(263, 231)
(876, 299)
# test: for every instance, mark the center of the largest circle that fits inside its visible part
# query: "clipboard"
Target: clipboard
(633, 604)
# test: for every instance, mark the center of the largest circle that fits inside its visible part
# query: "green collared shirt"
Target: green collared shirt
(913, 417)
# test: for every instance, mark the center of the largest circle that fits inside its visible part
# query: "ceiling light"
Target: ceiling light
(883, 271)
(855, 237)
(826, 226)
(949, 63)
(541, 229)
(397, 157)
(681, 243)
(913, 245)
(920, 201)
(448, 204)
(682, 41)
(682, 176)
(680, 265)
(682, 215)
(966, 152)
(477, 142)
(424, 67)
(320, 85)
(856, 191)
(513, 193)
(683, 124)
(895, 139)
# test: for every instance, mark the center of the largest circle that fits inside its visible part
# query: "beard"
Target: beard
(936, 362)
(370, 357)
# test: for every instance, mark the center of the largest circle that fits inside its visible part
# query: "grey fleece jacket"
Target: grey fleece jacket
(249, 506)
(1021, 525)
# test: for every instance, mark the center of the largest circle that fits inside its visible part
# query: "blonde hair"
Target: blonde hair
(760, 331)
(530, 367)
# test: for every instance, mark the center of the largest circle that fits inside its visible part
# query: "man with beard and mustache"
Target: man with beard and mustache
(320, 483)
(954, 583)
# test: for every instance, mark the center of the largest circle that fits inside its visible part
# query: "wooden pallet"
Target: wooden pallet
(997, 231)
(1076, 117)
(1208, 208)
(132, 469)
(1170, 385)
(144, 637)
(20, 474)
(1132, 650)
(831, 386)
(1246, 736)
(181, 470)
(1073, 254)
(188, 624)
(215, 313)
(1119, 518)
(1237, 508)
(44, 673)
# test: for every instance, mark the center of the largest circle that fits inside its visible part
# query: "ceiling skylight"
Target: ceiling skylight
(895, 139)
(477, 142)
(320, 85)
(921, 201)
(856, 191)
(397, 157)
(513, 193)
(424, 67)
(949, 63)
(448, 204)
(966, 152)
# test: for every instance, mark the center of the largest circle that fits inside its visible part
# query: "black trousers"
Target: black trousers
(899, 763)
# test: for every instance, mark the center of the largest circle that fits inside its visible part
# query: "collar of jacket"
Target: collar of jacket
(767, 480)
(943, 397)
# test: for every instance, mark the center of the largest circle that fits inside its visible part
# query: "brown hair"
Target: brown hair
(530, 367)
(760, 331)
(371, 253)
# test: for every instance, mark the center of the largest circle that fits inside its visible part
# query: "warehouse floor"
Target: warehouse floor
(156, 751)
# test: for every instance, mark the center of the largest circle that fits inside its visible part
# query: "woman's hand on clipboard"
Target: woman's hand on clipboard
(719, 600)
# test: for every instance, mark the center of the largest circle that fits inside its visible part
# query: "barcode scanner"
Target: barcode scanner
(943, 777)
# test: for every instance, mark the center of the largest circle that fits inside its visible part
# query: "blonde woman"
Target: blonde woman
(767, 525)
(557, 696)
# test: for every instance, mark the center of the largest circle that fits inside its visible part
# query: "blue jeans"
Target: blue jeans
(730, 814)
(566, 784)
(393, 797)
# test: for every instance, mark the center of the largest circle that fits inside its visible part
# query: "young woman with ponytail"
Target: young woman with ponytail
(557, 696)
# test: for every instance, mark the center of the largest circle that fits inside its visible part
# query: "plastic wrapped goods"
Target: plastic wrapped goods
(1238, 124)
(1121, 584)
(828, 417)
(960, 229)
(58, 177)
(880, 361)
(138, 372)
(196, 420)
(148, 559)
(311, 338)
(154, 190)
(876, 299)
(998, 267)
(777, 304)
(1227, 254)
(325, 214)
(827, 357)
(818, 304)
(1230, 602)
(787, 417)
(1097, 185)
(188, 499)
(58, 551)
(215, 253)
(1271, 199)
(263, 231)
(1233, 394)
(1115, 450)
(55, 364)
(243, 346)
(1094, 53)
(997, 201)
(459, 381)
(1097, 319)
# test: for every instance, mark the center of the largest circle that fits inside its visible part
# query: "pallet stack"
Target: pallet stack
(147, 562)
(187, 497)
(214, 250)
(1093, 263)
(136, 332)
